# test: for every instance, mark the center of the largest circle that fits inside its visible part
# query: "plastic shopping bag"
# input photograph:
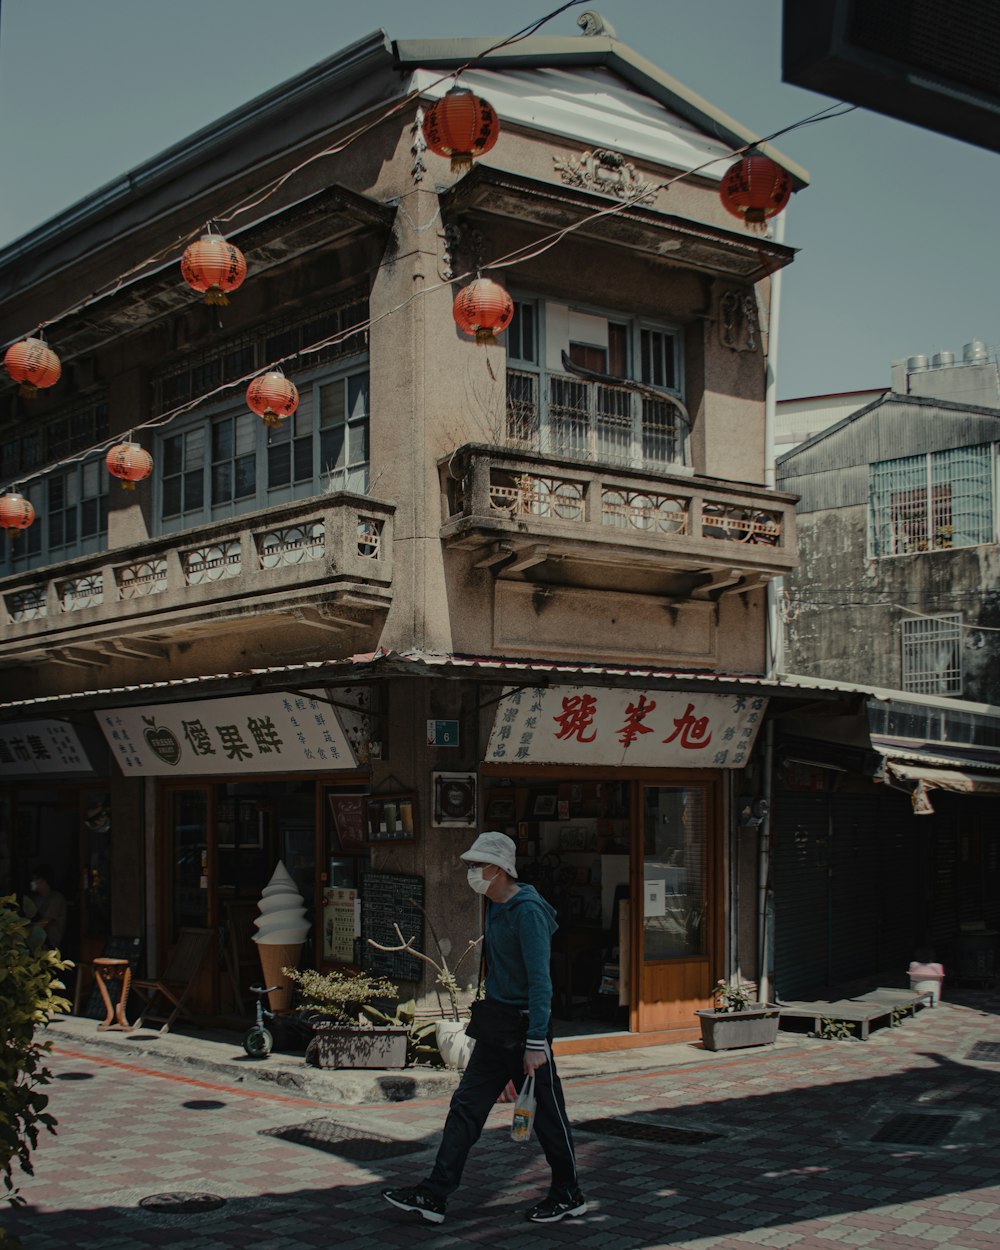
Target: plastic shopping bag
(524, 1112)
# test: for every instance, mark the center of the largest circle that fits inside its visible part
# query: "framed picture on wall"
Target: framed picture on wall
(455, 800)
(500, 810)
(544, 806)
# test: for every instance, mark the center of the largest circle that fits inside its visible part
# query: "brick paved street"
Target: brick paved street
(793, 1163)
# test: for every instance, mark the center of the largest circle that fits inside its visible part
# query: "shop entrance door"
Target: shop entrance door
(675, 881)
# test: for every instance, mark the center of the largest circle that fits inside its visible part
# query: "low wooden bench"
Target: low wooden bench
(852, 1011)
(898, 1000)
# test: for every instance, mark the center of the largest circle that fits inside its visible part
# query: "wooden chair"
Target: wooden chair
(164, 997)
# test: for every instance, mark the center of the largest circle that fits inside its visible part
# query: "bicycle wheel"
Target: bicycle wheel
(258, 1042)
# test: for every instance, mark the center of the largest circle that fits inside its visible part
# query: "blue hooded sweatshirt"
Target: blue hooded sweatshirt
(518, 947)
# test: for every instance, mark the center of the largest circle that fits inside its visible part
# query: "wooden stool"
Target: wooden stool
(106, 971)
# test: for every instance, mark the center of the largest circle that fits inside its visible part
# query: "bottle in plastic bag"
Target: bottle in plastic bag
(524, 1112)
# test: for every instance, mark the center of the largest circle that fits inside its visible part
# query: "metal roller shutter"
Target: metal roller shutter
(800, 879)
(854, 886)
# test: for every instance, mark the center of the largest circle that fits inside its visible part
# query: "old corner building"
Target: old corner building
(519, 585)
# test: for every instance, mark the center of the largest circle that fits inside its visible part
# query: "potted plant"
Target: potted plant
(454, 1046)
(333, 1003)
(737, 1019)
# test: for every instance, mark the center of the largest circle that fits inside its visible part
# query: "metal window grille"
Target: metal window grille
(581, 419)
(932, 502)
(932, 654)
(197, 374)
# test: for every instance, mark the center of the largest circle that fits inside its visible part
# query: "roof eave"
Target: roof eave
(539, 50)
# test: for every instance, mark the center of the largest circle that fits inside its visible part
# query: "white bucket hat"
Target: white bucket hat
(493, 848)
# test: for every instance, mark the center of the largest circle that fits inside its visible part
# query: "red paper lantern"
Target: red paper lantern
(130, 462)
(34, 364)
(755, 188)
(461, 125)
(16, 512)
(483, 308)
(273, 398)
(214, 266)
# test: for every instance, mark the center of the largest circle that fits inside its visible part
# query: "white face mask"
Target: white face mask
(477, 881)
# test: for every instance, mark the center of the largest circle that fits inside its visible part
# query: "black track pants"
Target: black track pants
(489, 1070)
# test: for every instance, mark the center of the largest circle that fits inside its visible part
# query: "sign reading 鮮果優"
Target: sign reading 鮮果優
(647, 728)
(264, 733)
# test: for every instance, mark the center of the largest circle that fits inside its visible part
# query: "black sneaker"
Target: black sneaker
(417, 1200)
(557, 1206)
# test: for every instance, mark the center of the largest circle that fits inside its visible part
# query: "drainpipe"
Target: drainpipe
(775, 635)
(763, 870)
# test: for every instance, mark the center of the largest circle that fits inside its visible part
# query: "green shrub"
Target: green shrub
(29, 985)
(339, 996)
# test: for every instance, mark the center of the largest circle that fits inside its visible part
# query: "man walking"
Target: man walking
(518, 936)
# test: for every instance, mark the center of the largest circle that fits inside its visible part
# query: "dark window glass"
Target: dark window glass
(303, 459)
(172, 448)
(171, 496)
(245, 476)
(193, 491)
(279, 464)
(222, 482)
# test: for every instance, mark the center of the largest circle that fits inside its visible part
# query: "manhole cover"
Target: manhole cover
(634, 1130)
(985, 1052)
(182, 1204)
(342, 1140)
(911, 1128)
(74, 1076)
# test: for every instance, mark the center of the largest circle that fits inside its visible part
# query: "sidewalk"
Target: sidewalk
(222, 1054)
(809, 1145)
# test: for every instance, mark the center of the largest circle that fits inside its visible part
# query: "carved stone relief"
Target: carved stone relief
(607, 173)
(464, 249)
(738, 320)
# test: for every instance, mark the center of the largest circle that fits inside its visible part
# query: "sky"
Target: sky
(897, 232)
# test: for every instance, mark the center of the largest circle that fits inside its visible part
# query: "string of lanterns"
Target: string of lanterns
(460, 126)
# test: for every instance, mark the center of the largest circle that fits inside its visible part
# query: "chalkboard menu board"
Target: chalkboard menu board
(388, 897)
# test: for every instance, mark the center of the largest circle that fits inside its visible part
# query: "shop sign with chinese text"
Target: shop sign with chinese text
(266, 733)
(644, 728)
(41, 746)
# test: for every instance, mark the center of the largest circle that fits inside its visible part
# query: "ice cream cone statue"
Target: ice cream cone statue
(281, 930)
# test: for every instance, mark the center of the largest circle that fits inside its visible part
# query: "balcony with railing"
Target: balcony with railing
(552, 519)
(326, 562)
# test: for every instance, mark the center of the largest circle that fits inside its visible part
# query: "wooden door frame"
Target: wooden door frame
(712, 780)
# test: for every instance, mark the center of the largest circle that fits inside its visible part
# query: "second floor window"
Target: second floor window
(933, 501)
(564, 395)
(71, 518)
(233, 462)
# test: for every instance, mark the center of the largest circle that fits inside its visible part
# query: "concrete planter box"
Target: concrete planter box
(728, 1030)
(341, 1046)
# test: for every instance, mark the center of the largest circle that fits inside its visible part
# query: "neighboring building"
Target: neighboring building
(798, 420)
(893, 813)
(898, 530)
(973, 380)
(519, 585)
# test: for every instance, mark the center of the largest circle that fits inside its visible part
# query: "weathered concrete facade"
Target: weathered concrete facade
(849, 602)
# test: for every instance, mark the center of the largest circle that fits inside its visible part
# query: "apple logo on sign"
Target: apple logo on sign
(161, 741)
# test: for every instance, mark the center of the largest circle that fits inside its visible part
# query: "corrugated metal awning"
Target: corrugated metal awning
(958, 780)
